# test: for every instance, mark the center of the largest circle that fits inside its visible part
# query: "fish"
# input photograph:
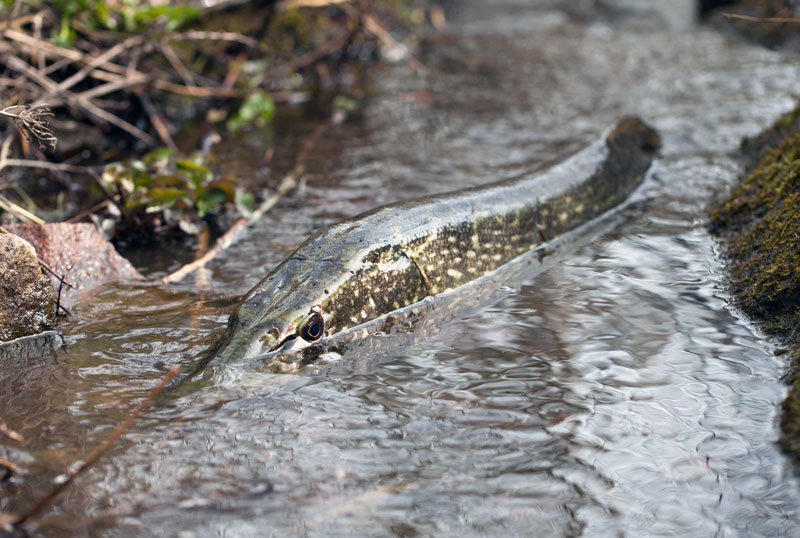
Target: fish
(395, 256)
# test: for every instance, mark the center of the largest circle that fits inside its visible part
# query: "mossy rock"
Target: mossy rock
(753, 150)
(763, 216)
(761, 222)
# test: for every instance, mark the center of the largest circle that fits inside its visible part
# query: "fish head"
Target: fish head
(285, 307)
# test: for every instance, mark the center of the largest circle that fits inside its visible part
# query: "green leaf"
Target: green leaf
(345, 104)
(166, 195)
(66, 35)
(172, 181)
(202, 208)
(209, 200)
(142, 180)
(245, 203)
(226, 186)
(186, 164)
(257, 109)
(158, 159)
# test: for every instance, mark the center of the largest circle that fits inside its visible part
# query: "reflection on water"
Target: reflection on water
(613, 395)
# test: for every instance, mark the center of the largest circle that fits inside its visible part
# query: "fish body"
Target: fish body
(397, 255)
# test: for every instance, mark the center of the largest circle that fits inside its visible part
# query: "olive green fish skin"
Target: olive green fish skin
(397, 255)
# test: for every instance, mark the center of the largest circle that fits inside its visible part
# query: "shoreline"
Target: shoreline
(758, 225)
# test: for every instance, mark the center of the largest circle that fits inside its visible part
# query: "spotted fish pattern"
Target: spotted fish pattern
(378, 262)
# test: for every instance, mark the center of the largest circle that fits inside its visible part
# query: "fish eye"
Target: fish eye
(313, 327)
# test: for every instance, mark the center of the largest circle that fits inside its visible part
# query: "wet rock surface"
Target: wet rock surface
(27, 303)
(79, 253)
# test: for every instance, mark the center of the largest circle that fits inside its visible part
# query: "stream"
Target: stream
(615, 394)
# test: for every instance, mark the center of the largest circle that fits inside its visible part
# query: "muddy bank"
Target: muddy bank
(760, 222)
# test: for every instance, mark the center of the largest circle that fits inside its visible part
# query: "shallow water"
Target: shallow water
(615, 394)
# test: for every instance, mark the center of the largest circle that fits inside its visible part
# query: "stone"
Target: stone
(80, 253)
(27, 299)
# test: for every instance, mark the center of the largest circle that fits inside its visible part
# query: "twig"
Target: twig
(371, 25)
(19, 212)
(26, 69)
(233, 233)
(294, 4)
(118, 84)
(64, 309)
(111, 197)
(158, 123)
(100, 449)
(310, 57)
(8, 465)
(58, 167)
(59, 277)
(217, 36)
(176, 63)
(791, 20)
(46, 47)
(58, 297)
(38, 22)
(116, 73)
(4, 151)
(101, 60)
(374, 27)
(17, 9)
(11, 469)
(87, 212)
(112, 72)
(11, 434)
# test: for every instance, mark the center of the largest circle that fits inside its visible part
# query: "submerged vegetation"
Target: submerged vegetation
(761, 223)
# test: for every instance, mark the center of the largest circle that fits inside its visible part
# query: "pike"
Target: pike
(397, 255)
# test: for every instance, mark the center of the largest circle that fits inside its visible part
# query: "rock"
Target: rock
(29, 350)
(80, 253)
(27, 299)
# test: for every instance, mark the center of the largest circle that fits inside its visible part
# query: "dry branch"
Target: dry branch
(294, 4)
(82, 102)
(13, 469)
(100, 449)
(218, 36)
(11, 434)
(19, 212)
(790, 20)
(337, 43)
(45, 165)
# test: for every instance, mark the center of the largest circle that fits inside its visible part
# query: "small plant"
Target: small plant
(32, 122)
(164, 193)
(256, 110)
(127, 16)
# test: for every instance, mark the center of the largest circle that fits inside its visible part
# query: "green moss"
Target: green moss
(761, 221)
(763, 214)
(754, 149)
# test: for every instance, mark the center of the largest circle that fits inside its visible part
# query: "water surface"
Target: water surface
(615, 394)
